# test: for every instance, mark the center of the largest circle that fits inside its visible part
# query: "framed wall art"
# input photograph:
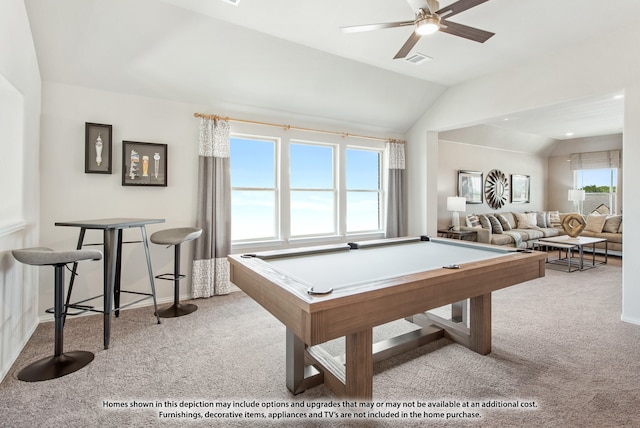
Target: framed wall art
(520, 186)
(144, 164)
(97, 148)
(470, 186)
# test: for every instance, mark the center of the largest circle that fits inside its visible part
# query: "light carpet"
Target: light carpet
(558, 342)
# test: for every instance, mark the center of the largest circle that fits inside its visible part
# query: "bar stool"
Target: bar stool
(175, 237)
(61, 363)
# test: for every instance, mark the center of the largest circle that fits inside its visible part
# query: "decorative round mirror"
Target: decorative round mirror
(496, 189)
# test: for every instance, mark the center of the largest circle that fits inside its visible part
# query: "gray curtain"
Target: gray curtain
(396, 193)
(210, 273)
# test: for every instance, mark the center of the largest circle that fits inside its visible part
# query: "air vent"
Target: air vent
(417, 58)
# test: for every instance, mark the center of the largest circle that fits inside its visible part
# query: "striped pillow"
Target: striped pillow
(496, 226)
(484, 221)
(473, 221)
(504, 222)
(554, 219)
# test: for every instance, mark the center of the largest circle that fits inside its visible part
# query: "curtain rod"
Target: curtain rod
(297, 128)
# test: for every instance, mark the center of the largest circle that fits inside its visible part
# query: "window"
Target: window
(312, 189)
(254, 192)
(364, 190)
(600, 189)
(287, 189)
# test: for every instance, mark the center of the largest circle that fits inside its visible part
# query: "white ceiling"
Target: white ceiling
(290, 56)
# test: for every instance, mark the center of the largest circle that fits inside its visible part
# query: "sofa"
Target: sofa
(522, 229)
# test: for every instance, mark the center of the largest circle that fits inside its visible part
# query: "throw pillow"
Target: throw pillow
(595, 223)
(541, 219)
(554, 219)
(620, 228)
(504, 222)
(612, 224)
(484, 221)
(473, 221)
(525, 221)
(496, 227)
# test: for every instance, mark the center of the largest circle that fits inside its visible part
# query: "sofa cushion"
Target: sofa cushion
(595, 223)
(496, 227)
(530, 234)
(554, 219)
(612, 224)
(473, 221)
(550, 231)
(501, 239)
(525, 220)
(484, 221)
(611, 237)
(504, 221)
(541, 219)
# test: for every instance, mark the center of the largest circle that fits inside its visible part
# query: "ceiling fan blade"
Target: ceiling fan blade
(457, 7)
(369, 27)
(408, 45)
(465, 31)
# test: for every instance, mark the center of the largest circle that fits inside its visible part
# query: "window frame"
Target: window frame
(340, 142)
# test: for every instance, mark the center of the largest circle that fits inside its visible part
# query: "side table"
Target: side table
(463, 235)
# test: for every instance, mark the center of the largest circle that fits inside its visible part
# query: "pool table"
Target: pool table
(322, 293)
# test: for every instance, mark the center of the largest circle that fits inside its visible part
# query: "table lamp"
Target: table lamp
(576, 196)
(455, 204)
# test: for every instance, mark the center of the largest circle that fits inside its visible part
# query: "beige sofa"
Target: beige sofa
(609, 228)
(514, 230)
(522, 229)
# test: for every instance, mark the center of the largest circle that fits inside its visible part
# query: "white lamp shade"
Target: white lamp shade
(576, 195)
(456, 203)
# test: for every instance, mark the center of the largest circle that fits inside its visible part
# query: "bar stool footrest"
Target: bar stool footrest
(170, 277)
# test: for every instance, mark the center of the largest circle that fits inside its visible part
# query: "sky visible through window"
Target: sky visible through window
(313, 189)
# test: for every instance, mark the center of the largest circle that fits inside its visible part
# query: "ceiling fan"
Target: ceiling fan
(429, 19)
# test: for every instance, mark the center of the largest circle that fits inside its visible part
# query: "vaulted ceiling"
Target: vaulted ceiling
(290, 56)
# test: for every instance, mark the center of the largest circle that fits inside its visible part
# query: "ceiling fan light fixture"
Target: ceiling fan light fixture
(427, 25)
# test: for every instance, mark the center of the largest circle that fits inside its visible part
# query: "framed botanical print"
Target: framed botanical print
(470, 186)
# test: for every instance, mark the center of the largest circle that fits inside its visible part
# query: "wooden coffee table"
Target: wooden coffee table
(569, 244)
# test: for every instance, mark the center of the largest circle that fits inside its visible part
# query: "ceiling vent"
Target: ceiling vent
(417, 58)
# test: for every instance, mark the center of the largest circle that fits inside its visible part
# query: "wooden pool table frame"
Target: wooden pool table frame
(353, 313)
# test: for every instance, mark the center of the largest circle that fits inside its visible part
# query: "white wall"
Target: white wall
(68, 193)
(454, 156)
(565, 75)
(20, 100)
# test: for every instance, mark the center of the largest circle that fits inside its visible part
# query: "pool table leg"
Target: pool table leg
(299, 377)
(359, 365)
(480, 324)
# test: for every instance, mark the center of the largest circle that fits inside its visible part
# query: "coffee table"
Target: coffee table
(569, 244)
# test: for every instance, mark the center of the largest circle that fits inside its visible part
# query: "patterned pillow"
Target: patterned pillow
(473, 221)
(504, 222)
(554, 219)
(484, 221)
(496, 227)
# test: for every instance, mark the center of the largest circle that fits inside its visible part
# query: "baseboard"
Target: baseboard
(630, 320)
(18, 350)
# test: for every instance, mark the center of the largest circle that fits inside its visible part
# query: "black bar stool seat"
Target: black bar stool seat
(60, 363)
(175, 237)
